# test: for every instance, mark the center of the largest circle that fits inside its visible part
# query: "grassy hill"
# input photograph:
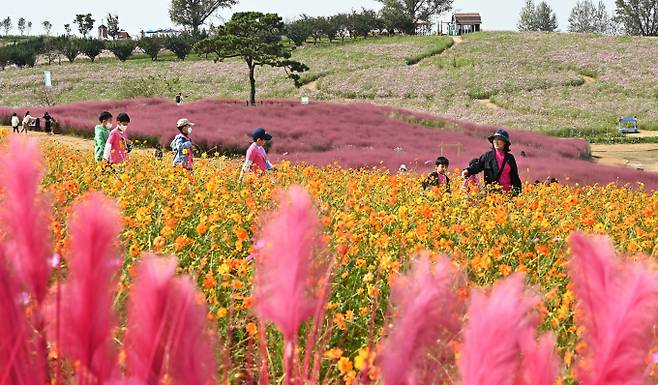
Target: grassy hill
(562, 84)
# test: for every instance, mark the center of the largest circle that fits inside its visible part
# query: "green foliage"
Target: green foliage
(193, 13)
(23, 53)
(91, 47)
(85, 23)
(365, 21)
(639, 17)
(122, 49)
(180, 45)
(298, 31)
(112, 25)
(69, 47)
(443, 43)
(7, 25)
(152, 46)
(537, 18)
(256, 38)
(401, 14)
(149, 87)
(587, 18)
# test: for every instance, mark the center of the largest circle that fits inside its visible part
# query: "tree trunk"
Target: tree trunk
(252, 83)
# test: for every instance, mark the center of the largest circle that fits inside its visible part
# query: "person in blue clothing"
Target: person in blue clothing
(182, 145)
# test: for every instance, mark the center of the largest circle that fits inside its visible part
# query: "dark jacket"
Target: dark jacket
(487, 163)
(433, 180)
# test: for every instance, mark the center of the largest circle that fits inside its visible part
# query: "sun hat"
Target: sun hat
(183, 122)
(260, 133)
(502, 134)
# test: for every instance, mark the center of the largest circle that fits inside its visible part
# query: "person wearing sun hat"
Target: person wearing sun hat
(256, 159)
(182, 145)
(499, 165)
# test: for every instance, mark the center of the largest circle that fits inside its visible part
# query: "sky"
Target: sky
(149, 14)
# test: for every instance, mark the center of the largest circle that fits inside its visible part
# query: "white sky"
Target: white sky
(135, 15)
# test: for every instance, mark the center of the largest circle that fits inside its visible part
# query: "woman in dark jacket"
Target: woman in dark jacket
(499, 165)
(49, 123)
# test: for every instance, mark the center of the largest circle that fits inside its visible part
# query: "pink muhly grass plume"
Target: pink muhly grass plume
(289, 266)
(26, 216)
(491, 350)
(291, 269)
(87, 321)
(429, 314)
(18, 364)
(618, 302)
(540, 362)
(166, 333)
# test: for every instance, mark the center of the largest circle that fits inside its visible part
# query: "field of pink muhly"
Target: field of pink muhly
(353, 135)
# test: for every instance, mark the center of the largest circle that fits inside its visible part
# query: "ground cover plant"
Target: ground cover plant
(469, 320)
(352, 135)
(562, 84)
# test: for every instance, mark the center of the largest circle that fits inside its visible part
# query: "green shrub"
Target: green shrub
(91, 47)
(180, 45)
(443, 44)
(122, 49)
(70, 48)
(151, 46)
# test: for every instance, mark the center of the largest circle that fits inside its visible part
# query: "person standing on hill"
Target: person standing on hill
(101, 133)
(118, 146)
(182, 145)
(15, 122)
(499, 165)
(48, 125)
(179, 99)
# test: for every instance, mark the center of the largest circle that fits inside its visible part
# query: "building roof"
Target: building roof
(468, 18)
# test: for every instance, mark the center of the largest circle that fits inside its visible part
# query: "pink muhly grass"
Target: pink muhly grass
(291, 269)
(540, 362)
(166, 333)
(87, 321)
(618, 302)
(25, 216)
(491, 349)
(429, 314)
(18, 364)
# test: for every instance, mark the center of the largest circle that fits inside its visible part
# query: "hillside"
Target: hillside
(563, 84)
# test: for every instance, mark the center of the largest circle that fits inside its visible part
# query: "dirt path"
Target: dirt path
(638, 156)
(588, 79)
(488, 103)
(313, 86)
(458, 39)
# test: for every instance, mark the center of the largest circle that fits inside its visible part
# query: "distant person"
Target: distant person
(48, 123)
(101, 133)
(118, 146)
(179, 99)
(256, 159)
(439, 177)
(182, 145)
(158, 152)
(27, 121)
(403, 169)
(15, 123)
(499, 165)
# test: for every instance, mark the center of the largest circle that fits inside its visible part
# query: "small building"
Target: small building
(123, 35)
(102, 32)
(463, 23)
(423, 27)
(161, 32)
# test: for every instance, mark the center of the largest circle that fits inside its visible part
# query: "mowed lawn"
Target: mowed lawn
(562, 84)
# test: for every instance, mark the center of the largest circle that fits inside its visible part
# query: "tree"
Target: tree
(85, 23)
(152, 46)
(29, 27)
(21, 25)
(113, 26)
(7, 25)
(407, 12)
(298, 31)
(122, 49)
(91, 47)
(70, 47)
(333, 27)
(193, 13)
(546, 18)
(639, 17)
(539, 18)
(256, 38)
(318, 25)
(47, 26)
(588, 18)
(67, 28)
(366, 21)
(180, 45)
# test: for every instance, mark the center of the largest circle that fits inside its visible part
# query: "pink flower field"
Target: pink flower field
(352, 135)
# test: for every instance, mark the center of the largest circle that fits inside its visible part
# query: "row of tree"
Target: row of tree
(634, 17)
(26, 52)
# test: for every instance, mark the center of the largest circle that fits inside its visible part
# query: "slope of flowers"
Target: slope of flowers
(373, 221)
(353, 135)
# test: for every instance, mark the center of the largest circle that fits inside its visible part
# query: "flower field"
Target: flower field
(351, 135)
(536, 80)
(374, 223)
